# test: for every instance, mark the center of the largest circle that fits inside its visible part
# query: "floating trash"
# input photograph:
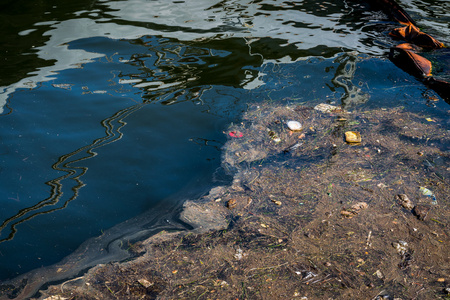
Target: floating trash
(292, 148)
(274, 200)
(326, 108)
(401, 247)
(231, 203)
(378, 274)
(274, 136)
(405, 202)
(354, 209)
(224, 283)
(277, 202)
(352, 137)
(239, 254)
(359, 206)
(294, 125)
(145, 283)
(236, 134)
(428, 193)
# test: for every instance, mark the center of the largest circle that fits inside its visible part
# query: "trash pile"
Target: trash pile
(309, 214)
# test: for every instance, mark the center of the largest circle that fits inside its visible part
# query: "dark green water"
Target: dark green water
(110, 109)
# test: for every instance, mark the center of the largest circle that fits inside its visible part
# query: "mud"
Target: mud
(308, 216)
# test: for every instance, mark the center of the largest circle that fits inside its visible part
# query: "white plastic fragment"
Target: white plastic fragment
(401, 247)
(145, 283)
(224, 283)
(378, 274)
(294, 125)
(239, 254)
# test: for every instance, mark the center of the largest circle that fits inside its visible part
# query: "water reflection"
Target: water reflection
(303, 27)
(305, 24)
(143, 72)
(65, 164)
(345, 73)
(169, 72)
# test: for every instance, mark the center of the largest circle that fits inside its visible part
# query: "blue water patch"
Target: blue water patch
(86, 151)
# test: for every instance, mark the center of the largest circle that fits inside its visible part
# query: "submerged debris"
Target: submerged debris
(405, 202)
(421, 211)
(274, 136)
(354, 209)
(292, 147)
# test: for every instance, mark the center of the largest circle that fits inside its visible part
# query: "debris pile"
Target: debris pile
(307, 215)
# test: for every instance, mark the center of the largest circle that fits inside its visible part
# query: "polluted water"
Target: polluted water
(292, 150)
